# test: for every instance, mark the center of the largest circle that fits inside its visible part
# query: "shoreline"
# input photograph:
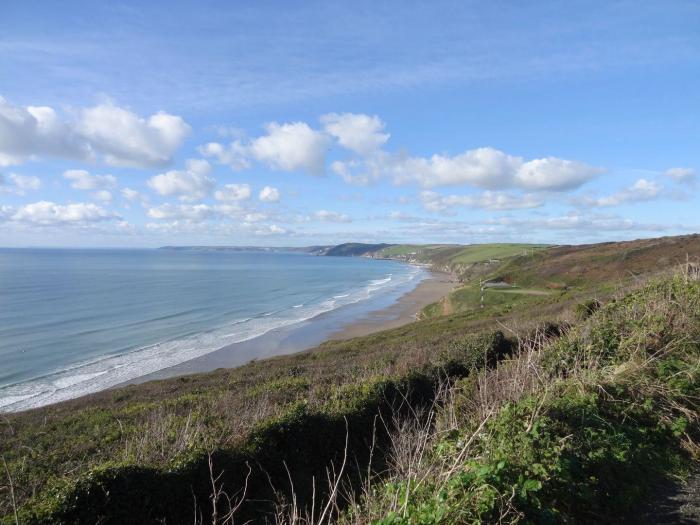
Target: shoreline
(405, 310)
(314, 332)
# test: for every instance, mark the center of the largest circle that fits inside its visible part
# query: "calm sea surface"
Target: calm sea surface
(78, 321)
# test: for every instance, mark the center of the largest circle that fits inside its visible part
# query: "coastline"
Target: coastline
(405, 310)
(315, 331)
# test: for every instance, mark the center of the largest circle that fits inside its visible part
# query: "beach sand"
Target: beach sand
(336, 325)
(404, 311)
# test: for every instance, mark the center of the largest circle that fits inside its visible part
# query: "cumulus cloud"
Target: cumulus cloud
(25, 182)
(553, 174)
(233, 193)
(682, 175)
(83, 180)
(296, 146)
(254, 217)
(46, 213)
(272, 229)
(492, 169)
(106, 132)
(269, 194)
(19, 184)
(100, 185)
(488, 200)
(289, 147)
(360, 133)
(346, 170)
(126, 139)
(187, 212)
(190, 184)
(234, 155)
(135, 196)
(642, 190)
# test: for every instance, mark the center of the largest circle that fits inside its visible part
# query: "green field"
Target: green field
(485, 252)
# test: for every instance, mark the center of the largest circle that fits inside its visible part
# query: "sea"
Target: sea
(73, 322)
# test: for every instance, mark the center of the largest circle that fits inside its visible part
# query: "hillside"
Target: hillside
(584, 374)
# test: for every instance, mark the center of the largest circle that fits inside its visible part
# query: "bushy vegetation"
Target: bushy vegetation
(144, 451)
(572, 429)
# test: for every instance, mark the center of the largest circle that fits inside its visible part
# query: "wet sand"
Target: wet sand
(341, 324)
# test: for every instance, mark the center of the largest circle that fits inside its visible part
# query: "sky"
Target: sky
(141, 124)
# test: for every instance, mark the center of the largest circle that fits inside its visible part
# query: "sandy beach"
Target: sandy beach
(337, 325)
(404, 311)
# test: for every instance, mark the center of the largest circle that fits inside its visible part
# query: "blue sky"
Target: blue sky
(271, 123)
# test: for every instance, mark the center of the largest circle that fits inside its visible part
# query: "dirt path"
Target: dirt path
(523, 291)
(676, 503)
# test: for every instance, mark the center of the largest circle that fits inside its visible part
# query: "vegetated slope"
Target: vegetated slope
(141, 453)
(565, 273)
(575, 429)
(463, 260)
(354, 249)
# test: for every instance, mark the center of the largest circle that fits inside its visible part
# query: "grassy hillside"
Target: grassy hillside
(597, 399)
(354, 249)
(452, 257)
(539, 276)
(578, 428)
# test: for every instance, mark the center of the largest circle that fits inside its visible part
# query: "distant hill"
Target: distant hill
(355, 249)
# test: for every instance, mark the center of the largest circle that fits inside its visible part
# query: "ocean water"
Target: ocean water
(78, 321)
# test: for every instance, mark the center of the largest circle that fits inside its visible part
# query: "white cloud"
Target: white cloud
(220, 230)
(47, 213)
(233, 193)
(103, 195)
(553, 174)
(99, 184)
(488, 200)
(25, 182)
(32, 130)
(234, 155)
(20, 184)
(6, 212)
(190, 184)
(126, 139)
(403, 217)
(273, 229)
(577, 222)
(115, 135)
(83, 180)
(187, 212)
(290, 147)
(482, 167)
(681, 175)
(296, 146)
(254, 217)
(269, 194)
(489, 168)
(133, 196)
(356, 132)
(642, 190)
(345, 170)
(330, 216)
